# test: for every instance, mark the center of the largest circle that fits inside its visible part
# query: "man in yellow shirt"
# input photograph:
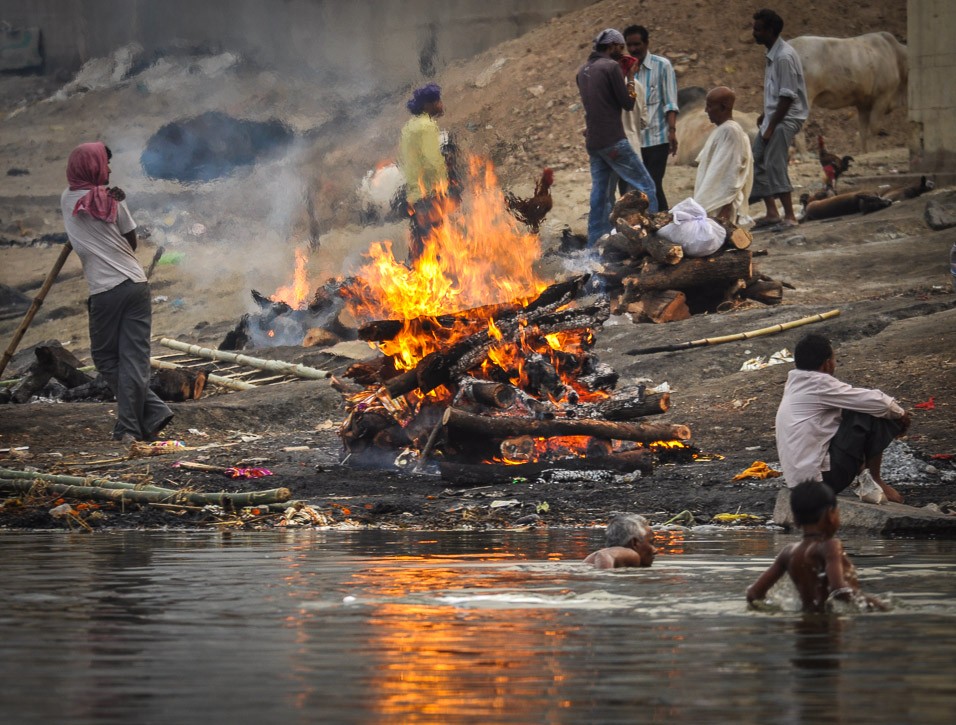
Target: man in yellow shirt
(426, 172)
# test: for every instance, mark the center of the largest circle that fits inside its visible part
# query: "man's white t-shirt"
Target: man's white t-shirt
(105, 254)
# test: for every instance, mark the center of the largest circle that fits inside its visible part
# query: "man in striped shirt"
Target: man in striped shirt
(657, 76)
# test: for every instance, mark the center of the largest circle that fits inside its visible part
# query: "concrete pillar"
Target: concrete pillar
(931, 27)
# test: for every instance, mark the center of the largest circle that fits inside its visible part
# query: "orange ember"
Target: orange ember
(296, 295)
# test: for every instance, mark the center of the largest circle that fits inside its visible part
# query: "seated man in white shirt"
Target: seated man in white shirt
(828, 430)
(725, 166)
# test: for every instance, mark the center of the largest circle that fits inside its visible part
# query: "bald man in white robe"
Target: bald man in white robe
(725, 172)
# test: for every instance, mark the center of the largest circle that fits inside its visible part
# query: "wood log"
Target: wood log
(693, 272)
(493, 395)
(179, 385)
(660, 306)
(52, 361)
(444, 366)
(464, 474)
(632, 203)
(630, 408)
(510, 426)
(738, 238)
(660, 250)
(763, 289)
(554, 296)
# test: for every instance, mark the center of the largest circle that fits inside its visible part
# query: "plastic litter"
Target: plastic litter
(868, 490)
(736, 518)
(758, 470)
(759, 362)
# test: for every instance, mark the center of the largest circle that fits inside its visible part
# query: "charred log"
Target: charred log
(509, 427)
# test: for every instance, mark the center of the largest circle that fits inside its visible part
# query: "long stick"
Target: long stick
(35, 305)
(97, 493)
(772, 330)
(302, 371)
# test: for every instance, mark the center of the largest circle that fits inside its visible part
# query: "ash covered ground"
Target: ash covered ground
(887, 273)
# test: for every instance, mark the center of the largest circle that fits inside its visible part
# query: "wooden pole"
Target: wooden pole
(278, 366)
(35, 305)
(772, 330)
(98, 493)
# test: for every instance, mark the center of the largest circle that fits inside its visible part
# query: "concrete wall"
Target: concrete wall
(387, 42)
(931, 28)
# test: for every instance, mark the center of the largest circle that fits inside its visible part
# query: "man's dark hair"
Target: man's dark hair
(810, 500)
(639, 29)
(770, 19)
(109, 154)
(811, 352)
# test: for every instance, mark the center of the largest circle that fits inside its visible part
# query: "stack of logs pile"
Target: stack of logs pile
(477, 424)
(650, 278)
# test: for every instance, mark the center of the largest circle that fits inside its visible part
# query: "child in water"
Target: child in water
(629, 543)
(816, 564)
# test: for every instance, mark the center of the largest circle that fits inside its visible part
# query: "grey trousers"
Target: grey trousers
(120, 322)
(771, 159)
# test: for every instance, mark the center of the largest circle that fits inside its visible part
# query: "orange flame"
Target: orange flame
(477, 256)
(296, 295)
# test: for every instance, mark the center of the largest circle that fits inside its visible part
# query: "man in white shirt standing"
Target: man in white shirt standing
(830, 431)
(659, 138)
(103, 234)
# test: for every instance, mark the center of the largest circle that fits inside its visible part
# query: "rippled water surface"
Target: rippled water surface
(308, 626)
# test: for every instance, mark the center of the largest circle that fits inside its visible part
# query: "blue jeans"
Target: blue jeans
(619, 159)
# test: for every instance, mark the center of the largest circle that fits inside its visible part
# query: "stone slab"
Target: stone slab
(888, 519)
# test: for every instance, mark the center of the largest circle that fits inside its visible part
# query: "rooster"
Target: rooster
(533, 211)
(833, 165)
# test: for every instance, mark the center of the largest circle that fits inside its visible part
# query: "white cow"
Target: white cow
(869, 72)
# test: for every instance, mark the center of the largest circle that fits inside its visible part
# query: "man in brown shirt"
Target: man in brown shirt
(604, 95)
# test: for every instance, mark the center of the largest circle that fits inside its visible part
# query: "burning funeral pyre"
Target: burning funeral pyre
(486, 370)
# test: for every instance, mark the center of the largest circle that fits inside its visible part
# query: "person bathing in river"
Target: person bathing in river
(817, 565)
(630, 542)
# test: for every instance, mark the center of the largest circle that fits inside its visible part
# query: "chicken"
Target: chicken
(833, 165)
(533, 211)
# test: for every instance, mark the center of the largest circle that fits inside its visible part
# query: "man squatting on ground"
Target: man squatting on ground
(819, 569)
(604, 94)
(828, 430)
(630, 542)
(425, 168)
(785, 108)
(725, 170)
(656, 75)
(101, 230)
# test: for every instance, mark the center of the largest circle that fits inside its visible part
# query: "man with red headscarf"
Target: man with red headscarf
(103, 234)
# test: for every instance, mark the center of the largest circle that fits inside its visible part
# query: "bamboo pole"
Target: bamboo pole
(302, 371)
(117, 490)
(35, 305)
(99, 493)
(78, 480)
(772, 330)
(215, 379)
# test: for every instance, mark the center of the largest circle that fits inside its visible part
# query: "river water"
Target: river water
(372, 626)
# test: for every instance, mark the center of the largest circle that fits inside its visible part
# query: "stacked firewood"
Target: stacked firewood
(650, 278)
(478, 420)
